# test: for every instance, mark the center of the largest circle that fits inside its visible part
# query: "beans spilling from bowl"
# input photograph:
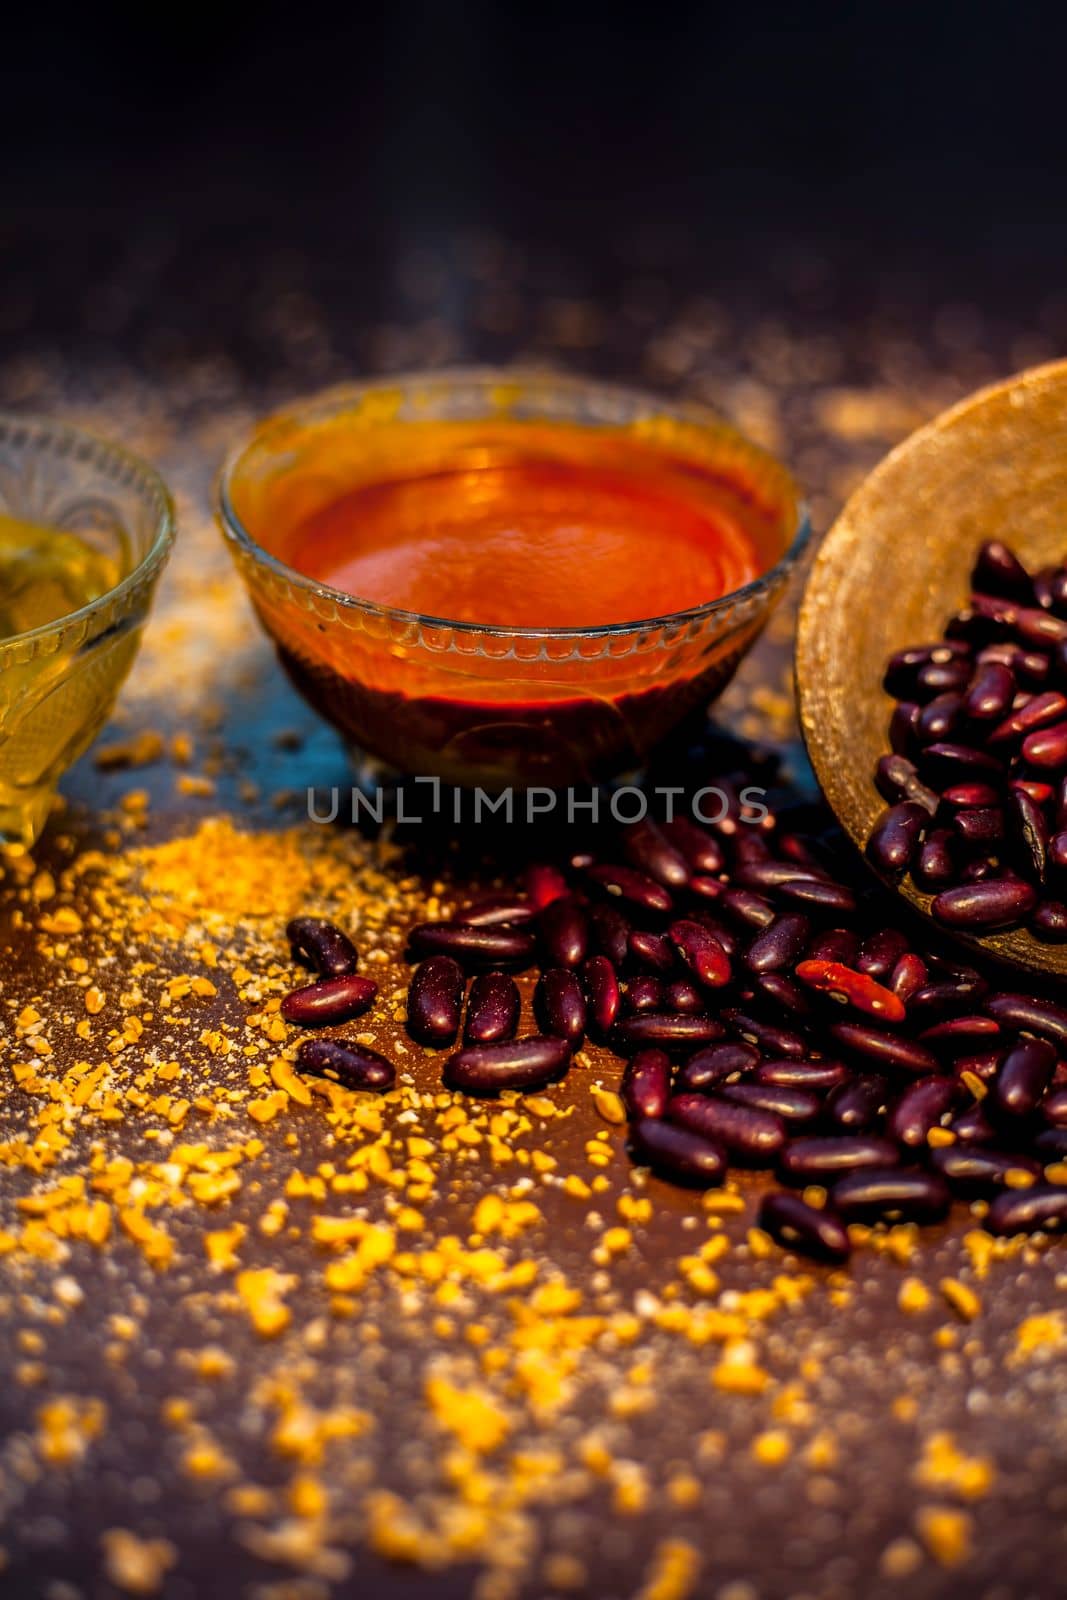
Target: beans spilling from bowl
(764, 1020)
(976, 779)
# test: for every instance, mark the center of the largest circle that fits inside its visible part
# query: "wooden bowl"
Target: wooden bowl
(896, 564)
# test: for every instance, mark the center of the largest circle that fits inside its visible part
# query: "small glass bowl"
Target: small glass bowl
(58, 682)
(494, 706)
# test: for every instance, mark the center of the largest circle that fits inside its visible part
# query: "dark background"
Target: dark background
(929, 136)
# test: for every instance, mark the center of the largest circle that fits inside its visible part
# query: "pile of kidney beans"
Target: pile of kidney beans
(977, 778)
(765, 1020)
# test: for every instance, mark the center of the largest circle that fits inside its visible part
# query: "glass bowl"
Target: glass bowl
(58, 682)
(483, 705)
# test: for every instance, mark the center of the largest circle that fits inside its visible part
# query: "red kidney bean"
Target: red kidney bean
(1040, 1209)
(726, 936)
(961, 1034)
(979, 868)
(473, 947)
(681, 995)
(940, 718)
(1039, 712)
(934, 1000)
(646, 1084)
(1054, 1107)
(703, 853)
(435, 999)
(838, 944)
(945, 763)
(1029, 666)
(974, 1171)
(798, 1106)
(940, 677)
(329, 1000)
(878, 954)
(1049, 922)
(750, 1135)
(822, 1158)
(564, 930)
(644, 993)
(982, 1065)
(902, 726)
(1039, 793)
(612, 933)
(883, 1049)
(648, 849)
(701, 952)
(601, 992)
(637, 888)
(1038, 628)
(994, 903)
(857, 989)
(936, 865)
(972, 1126)
(779, 946)
(651, 950)
(768, 1038)
(797, 1226)
(671, 1030)
(322, 945)
(965, 796)
(678, 1153)
(980, 827)
(492, 1009)
(990, 694)
(903, 666)
(1029, 832)
(749, 909)
(998, 570)
(496, 910)
(857, 1106)
(523, 1064)
(823, 896)
(782, 993)
(908, 976)
(1031, 1014)
(790, 1074)
(715, 1063)
(1051, 1145)
(766, 873)
(1047, 747)
(890, 1195)
(920, 1108)
(342, 1061)
(559, 1005)
(1057, 851)
(892, 776)
(706, 888)
(544, 884)
(1024, 1074)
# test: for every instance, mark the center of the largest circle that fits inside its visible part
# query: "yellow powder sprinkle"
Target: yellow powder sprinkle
(944, 1466)
(136, 1565)
(963, 1300)
(913, 1296)
(672, 1573)
(946, 1533)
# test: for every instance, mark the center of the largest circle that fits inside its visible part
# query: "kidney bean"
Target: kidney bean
(941, 677)
(612, 933)
(322, 945)
(681, 995)
(343, 1061)
(1031, 1014)
(715, 1063)
(678, 1153)
(980, 828)
(435, 999)
(855, 988)
(601, 992)
(837, 944)
(644, 993)
(1054, 1107)
(857, 1106)
(1047, 747)
(329, 1000)
(1039, 793)
(1057, 851)
(779, 946)
(648, 849)
(819, 894)
(1024, 1075)
(651, 950)
(903, 666)
(671, 1030)
(908, 977)
(920, 1108)
(769, 1038)
(979, 868)
(892, 776)
(783, 994)
(473, 947)
(523, 1064)
(935, 1000)
(994, 903)
(544, 884)
(1038, 628)
(766, 873)
(936, 865)
(559, 1005)
(798, 1106)
(634, 887)
(966, 796)
(941, 717)
(902, 727)
(1051, 1145)
(974, 1171)
(705, 888)
(750, 1135)
(492, 1009)
(747, 908)
(945, 763)
(646, 1084)
(791, 1074)
(496, 910)
(701, 952)
(892, 1194)
(726, 936)
(878, 954)
(703, 852)
(972, 1126)
(820, 1158)
(1049, 922)
(1040, 1209)
(564, 930)
(998, 570)
(961, 1034)
(982, 1065)
(797, 1226)
(990, 694)
(883, 1049)
(1039, 712)
(1029, 832)
(1030, 667)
